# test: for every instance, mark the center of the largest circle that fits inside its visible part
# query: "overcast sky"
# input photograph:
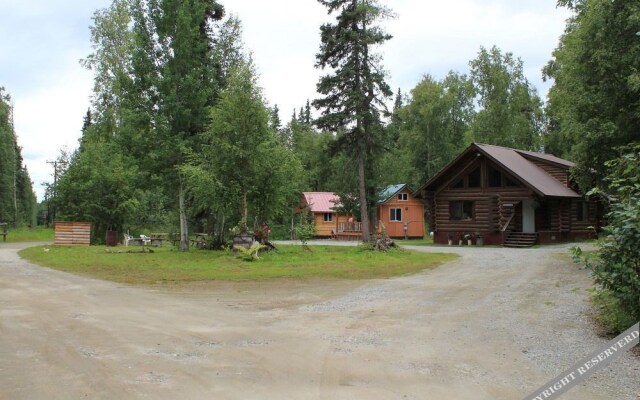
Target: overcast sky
(41, 42)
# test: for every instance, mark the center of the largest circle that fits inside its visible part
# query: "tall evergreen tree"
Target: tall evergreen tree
(17, 200)
(276, 125)
(354, 89)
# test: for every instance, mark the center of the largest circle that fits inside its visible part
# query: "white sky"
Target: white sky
(41, 42)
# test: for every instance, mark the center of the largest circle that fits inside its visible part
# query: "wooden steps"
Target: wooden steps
(521, 240)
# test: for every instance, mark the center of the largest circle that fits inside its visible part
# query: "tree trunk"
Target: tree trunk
(245, 212)
(184, 229)
(362, 188)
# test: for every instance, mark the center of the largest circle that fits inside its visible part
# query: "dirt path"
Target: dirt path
(495, 324)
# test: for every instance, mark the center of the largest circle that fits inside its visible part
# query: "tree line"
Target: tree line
(180, 137)
(17, 200)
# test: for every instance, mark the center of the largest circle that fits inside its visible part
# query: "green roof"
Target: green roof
(387, 193)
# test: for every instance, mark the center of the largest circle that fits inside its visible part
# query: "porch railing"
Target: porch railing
(349, 227)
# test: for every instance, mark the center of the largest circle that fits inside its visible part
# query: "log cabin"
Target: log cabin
(502, 196)
(398, 209)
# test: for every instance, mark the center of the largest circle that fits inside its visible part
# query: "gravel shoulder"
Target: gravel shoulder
(494, 324)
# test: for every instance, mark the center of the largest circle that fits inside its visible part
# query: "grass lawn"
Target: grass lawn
(426, 241)
(167, 265)
(38, 234)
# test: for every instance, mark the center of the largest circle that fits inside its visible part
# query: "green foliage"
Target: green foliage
(617, 266)
(17, 200)
(510, 110)
(242, 159)
(354, 91)
(305, 231)
(432, 127)
(593, 104)
(250, 254)
(612, 312)
(98, 187)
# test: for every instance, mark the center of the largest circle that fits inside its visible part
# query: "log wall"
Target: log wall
(559, 173)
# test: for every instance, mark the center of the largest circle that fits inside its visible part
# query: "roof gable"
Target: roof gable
(387, 193)
(321, 202)
(516, 163)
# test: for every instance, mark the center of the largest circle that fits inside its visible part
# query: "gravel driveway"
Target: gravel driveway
(494, 324)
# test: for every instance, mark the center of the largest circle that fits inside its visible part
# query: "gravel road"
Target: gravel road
(494, 324)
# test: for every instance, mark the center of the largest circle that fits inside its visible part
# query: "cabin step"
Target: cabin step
(521, 240)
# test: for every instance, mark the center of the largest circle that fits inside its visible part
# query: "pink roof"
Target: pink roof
(323, 202)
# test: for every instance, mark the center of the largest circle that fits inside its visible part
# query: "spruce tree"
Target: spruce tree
(354, 89)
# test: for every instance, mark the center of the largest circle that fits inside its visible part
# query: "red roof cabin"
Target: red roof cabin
(329, 223)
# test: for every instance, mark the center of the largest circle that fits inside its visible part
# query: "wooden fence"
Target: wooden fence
(72, 233)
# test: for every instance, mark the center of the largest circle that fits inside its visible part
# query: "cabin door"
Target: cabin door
(528, 216)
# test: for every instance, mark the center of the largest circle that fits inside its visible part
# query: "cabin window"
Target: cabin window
(474, 178)
(403, 196)
(395, 214)
(582, 211)
(508, 182)
(495, 178)
(458, 185)
(460, 210)
(328, 217)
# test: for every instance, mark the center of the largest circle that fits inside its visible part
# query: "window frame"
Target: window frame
(470, 205)
(393, 214)
(403, 197)
(582, 211)
(330, 219)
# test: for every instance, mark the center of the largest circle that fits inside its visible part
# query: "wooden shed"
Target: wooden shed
(72, 233)
(399, 209)
(510, 197)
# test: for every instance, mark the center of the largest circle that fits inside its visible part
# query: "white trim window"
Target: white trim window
(395, 214)
(403, 197)
(328, 217)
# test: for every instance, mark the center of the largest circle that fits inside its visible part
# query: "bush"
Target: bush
(305, 232)
(611, 315)
(617, 267)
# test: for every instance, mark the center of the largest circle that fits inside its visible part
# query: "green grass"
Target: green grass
(169, 265)
(38, 234)
(426, 241)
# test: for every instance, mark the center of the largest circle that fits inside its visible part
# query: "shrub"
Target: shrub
(617, 267)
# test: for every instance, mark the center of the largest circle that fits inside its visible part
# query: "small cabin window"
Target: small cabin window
(328, 217)
(495, 178)
(403, 196)
(395, 214)
(508, 182)
(460, 210)
(582, 210)
(474, 178)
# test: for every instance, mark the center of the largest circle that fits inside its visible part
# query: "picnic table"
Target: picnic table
(200, 240)
(157, 238)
